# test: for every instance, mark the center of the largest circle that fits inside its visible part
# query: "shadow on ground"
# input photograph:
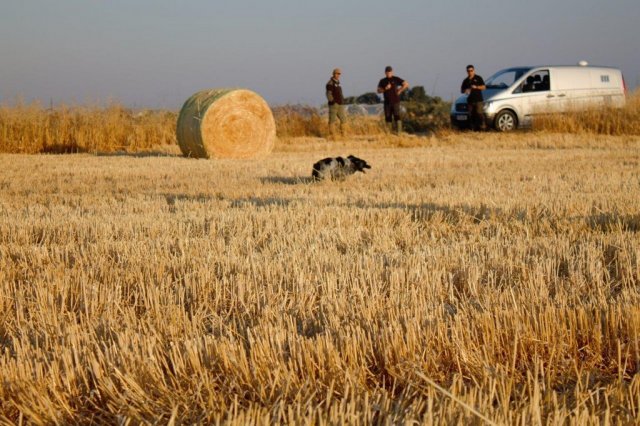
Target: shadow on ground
(63, 149)
(136, 154)
(198, 198)
(172, 199)
(613, 221)
(282, 180)
(454, 214)
(261, 202)
(425, 211)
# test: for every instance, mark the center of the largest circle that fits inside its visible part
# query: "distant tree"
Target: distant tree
(415, 94)
(370, 98)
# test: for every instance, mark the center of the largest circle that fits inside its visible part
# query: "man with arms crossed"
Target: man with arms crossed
(473, 86)
(392, 87)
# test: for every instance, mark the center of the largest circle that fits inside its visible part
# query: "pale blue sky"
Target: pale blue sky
(157, 53)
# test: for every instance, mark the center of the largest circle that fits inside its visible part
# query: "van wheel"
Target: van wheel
(506, 121)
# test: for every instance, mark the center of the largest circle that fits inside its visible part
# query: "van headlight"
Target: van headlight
(488, 107)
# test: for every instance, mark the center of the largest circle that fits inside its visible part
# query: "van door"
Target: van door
(571, 85)
(536, 96)
(556, 96)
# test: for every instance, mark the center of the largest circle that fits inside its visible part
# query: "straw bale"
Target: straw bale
(226, 123)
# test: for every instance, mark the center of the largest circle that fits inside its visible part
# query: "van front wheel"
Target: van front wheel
(505, 121)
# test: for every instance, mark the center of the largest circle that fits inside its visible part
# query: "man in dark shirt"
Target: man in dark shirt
(336, 101)
(392, 87)
(473, 86)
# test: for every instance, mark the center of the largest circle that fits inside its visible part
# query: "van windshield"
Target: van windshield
(505, 78)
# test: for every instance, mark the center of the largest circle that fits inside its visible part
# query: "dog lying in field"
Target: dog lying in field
(338, 168)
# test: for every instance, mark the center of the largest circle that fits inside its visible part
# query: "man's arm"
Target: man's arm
(480, 86)
(463, 87)
(329, 93)
(404, 87)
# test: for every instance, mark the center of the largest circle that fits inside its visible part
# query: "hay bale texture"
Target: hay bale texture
(226, 123)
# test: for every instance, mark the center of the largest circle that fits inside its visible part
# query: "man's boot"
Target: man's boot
(332, 132)
(389, 126)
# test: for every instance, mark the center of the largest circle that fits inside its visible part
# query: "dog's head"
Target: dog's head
(358, 164)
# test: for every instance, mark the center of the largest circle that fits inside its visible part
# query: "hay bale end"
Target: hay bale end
(226, 123)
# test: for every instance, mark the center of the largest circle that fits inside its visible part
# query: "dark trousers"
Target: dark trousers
(391, 112)
(476, 115)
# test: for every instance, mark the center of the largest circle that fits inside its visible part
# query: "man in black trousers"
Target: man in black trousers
(392, 87)
(473, 86)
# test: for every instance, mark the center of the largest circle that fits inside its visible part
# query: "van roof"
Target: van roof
(527, 68)
(574, 66)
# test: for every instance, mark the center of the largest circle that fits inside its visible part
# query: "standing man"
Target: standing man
(392, 87)
(336, 101)
(473, 86)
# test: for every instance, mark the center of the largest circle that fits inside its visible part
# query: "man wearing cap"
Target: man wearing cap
(392, 87)
(336, 100)
(473, 86)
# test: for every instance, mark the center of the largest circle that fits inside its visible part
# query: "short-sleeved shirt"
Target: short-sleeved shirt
(475, 95)
(391, 96)
(333, 87)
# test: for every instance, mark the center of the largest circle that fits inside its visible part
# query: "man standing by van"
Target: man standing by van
(473, 86)
(336, 101)
(392, 87)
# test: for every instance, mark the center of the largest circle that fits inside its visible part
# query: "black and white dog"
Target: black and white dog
(338, 168)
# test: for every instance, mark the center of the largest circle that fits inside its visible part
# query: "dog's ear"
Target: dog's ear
(361, 164)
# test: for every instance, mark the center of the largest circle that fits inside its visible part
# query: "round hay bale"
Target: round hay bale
(226, 123)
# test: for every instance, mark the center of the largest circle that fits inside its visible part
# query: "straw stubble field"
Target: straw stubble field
(465, 279)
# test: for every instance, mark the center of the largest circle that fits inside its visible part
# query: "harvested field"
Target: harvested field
(471, 279)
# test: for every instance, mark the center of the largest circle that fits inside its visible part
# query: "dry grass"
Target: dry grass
(307, 122)
(476, 277)
(606, 121)
(31, 128)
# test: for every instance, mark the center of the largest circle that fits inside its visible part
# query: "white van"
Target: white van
(514, 95)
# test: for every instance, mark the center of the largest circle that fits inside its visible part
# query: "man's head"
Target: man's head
(388, 71)
(337, 73)
(471, 71)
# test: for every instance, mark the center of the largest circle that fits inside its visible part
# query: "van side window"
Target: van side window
(546, 82)
(528, 84)
(539, 81)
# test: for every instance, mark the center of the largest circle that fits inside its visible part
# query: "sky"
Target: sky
(156, 53)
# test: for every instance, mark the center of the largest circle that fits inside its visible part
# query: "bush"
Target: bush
(424, 113)
(370, 98)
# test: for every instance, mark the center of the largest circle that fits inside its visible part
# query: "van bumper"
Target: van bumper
(459, 120)
(463, 121)
(488, 119)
